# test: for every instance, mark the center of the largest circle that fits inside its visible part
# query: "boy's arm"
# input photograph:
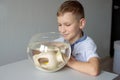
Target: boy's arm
(92, 67)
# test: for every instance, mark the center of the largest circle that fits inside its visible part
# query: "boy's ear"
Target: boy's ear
(82, 23)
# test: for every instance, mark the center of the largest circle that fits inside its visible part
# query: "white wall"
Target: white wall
(98, 15)
(20, 19)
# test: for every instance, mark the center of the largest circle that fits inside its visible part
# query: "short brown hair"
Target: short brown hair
(71, 6)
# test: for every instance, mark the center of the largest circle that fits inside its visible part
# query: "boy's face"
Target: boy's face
(69, 27)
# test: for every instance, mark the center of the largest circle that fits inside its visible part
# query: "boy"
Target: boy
(71, 22)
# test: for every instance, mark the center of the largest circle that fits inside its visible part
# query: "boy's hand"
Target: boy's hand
(71, 61)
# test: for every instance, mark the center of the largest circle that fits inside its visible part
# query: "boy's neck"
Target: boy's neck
(81, 35)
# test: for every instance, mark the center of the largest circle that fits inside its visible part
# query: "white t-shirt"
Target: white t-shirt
(83, 49)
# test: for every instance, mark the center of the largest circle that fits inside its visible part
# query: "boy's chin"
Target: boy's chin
(66, 38)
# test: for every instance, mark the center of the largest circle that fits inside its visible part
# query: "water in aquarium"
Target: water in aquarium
(49, 56)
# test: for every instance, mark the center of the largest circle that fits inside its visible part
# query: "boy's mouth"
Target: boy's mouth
(65, 35)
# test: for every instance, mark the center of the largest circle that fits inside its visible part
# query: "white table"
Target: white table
(24, 70)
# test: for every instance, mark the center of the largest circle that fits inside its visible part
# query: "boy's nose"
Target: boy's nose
(63, 29)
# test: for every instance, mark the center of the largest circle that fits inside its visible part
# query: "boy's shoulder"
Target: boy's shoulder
(88, 40)
(87, 43)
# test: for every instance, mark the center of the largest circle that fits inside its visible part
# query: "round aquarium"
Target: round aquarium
(48, 51)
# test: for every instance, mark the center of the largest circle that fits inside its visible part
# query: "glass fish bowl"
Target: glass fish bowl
(48, 51)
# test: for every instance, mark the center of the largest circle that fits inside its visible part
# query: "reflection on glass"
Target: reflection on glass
(47, 54)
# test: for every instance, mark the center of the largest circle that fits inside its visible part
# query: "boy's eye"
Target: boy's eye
(59, 25)
(67, 24)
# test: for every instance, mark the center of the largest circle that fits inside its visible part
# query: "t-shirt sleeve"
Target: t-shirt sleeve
(91, 54)
(91, 51)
